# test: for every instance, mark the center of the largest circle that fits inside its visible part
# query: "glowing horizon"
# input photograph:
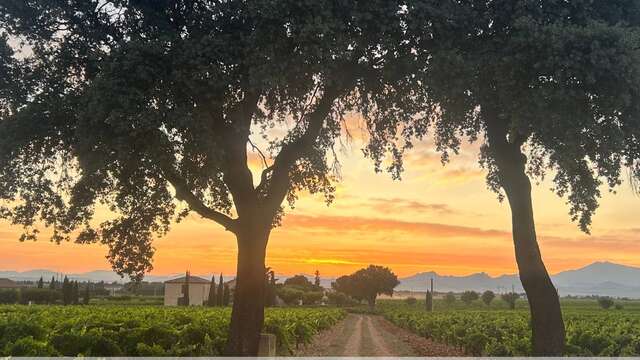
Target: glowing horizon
(437, 218)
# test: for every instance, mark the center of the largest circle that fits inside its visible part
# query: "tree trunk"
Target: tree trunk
(548, 331)
(247, 316)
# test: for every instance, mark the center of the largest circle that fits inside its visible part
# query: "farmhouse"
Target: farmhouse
(198, 290)
(8, 284)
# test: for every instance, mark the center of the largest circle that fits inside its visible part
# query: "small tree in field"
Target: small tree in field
(211, 300)
(605, 302)
(449, 298)
(511, 299)
(367, 284)
(468, 297)
(487, 297)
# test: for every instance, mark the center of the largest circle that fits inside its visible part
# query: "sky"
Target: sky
(440, 218)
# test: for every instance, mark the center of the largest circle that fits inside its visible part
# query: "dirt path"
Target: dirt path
(369, 335)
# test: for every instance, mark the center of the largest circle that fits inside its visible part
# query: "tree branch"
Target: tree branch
(183, 193)
(291, 152)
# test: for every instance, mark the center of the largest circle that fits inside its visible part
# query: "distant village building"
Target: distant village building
(8, 284)
(198, 290)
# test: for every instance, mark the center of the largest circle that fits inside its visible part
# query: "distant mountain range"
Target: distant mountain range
(599, 278)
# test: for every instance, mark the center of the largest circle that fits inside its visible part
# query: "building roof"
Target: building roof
(192, 280)
(8, 284)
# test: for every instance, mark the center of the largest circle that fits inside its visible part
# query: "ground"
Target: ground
(371, 335)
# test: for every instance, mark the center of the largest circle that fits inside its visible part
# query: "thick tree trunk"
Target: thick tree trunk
(247, 316)
(546, 317)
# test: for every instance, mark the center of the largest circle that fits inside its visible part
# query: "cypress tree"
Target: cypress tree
(220, 294)
(185, 290)
(40, 283)
(52, 284)
(87, 295)
(226, 295)
(66, 291)
(75, 296)
(211, 301)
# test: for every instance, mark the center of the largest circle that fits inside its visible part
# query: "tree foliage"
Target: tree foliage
(367, 284)
(133, 104)
(469, 296)
(487, 297)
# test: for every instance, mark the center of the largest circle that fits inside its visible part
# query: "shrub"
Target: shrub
(410, 300)
(8, 296)
(510, 299)
(312, 297)
(290, 296)
(605, 302)
(487, 297)
(39, 296)
(339, 299)
(449, 298)
(29, 347)
(468, 297)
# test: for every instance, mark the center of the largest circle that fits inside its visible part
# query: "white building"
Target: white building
(198, 290)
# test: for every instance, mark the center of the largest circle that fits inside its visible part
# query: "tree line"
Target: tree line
(142, 104)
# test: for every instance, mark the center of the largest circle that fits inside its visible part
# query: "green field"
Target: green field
(497, 331)
(143, 330)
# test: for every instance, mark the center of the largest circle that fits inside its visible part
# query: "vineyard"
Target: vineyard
(143, 330)
(590, 331)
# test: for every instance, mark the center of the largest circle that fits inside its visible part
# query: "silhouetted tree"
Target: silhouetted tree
(511, 299)
(468, 297)
(220, 293)
(52, 284)
(367, 284)
(67, 297)
(605, 302)
(75, 293)
(449, 298)
(186, 301)
(299, 281)
(270, 283)
(317, 279)
(226, 295)
(87, 294)
(546, 86)
(40, 284)
(211, 300)
(487, 297)
(141, 103)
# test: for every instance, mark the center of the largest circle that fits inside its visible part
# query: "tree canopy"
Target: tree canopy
(131, 104)
(367, 284)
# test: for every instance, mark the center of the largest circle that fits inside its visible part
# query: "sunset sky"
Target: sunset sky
(437, 218)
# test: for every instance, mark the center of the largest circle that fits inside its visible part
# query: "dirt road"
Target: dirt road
(369, 335)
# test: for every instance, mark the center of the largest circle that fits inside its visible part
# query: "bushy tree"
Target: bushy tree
(511, 299)
(339, 299)
(141, 104)
(367, 284)
(468, 297)
(605, 302)
(546, 87)
(449, 298)
(300, 281)
(487, 297)
(312, 297)
(290, 295)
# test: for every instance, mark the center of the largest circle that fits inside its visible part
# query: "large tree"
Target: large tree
(548, 87)
(366, 284)
(135, 104)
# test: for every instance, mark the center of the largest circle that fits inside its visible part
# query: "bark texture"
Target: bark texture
(548, 332)
(247, 317)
